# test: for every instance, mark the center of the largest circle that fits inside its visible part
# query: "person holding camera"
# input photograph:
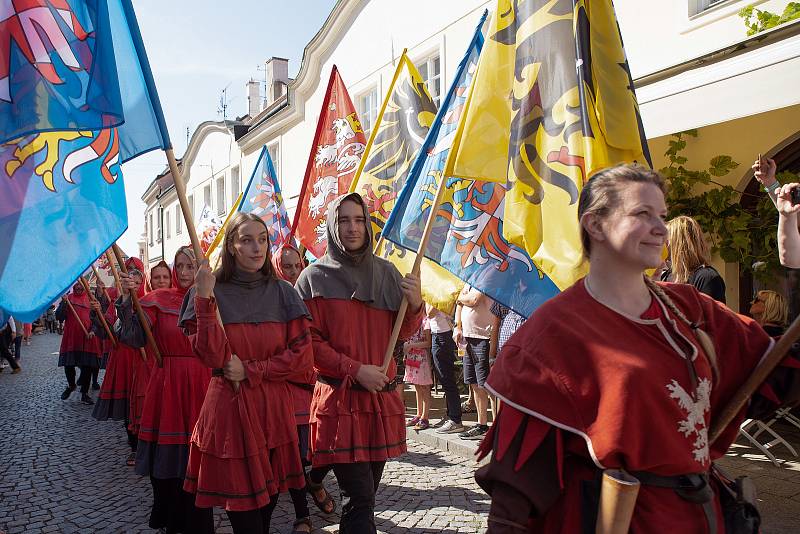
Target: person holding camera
(787, 201)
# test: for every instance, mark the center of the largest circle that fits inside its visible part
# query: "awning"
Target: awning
(757, 75)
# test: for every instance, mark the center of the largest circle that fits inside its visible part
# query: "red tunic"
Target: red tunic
(348, 425)
(175, 391)
(244, 447)
(599, 389)
(76, 348)
(113, 400)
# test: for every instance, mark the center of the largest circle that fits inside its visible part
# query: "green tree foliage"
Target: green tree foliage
(736, 234)
(758, 20)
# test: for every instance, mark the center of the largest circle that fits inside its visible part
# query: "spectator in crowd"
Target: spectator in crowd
(418, 373)
(18, 338)
(50, 319)
(507, 321)
(473, 329)
(690, 258)
(8, 331)
(443, 354)
(788, 232)
(770, 310)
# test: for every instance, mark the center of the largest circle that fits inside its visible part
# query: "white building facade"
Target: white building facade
(692, 63)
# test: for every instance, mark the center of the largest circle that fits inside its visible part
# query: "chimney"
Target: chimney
(277, 78)
(253, 97)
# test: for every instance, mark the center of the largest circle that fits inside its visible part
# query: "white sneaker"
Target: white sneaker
(450, 427)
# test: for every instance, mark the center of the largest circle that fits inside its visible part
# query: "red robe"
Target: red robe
(348, 425)
(76, 348)
(585, 387)
(113, 401)
(175, 391)
(140, 379)
(244, 447)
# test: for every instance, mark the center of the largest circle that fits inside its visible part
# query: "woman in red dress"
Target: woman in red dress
(172, 402)
(620, 372)
(244, 448)
(160, 278)
(288, 264)
(114, 399)
(77, 348)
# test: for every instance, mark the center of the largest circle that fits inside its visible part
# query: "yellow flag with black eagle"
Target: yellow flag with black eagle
(403, 121)
(552, 102)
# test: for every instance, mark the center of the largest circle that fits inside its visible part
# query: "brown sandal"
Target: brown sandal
(131, 460)
(322, 504)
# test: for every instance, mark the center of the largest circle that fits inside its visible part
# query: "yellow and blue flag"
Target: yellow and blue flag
(77, 99)
(263, 197)
(552, 102)
(397, 136)
(467, 236)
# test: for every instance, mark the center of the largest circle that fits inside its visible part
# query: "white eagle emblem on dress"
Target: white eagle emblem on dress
(695, 422)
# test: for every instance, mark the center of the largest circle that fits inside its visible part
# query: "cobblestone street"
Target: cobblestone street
(62, 471)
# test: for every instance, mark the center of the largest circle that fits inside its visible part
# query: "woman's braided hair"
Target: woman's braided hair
(702, 337)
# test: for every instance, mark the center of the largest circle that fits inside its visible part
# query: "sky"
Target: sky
(196, 49)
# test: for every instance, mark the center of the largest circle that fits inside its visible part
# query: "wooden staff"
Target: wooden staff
(138, 307)
(754, 381)
(102, 316)
(77, 317)
(423, 244)
(114, 272)
(180, 189)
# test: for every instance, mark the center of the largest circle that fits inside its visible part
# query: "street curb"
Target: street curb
(449, 443)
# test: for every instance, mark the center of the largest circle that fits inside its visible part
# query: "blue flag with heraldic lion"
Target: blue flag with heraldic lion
(467, 236)
(77, 99)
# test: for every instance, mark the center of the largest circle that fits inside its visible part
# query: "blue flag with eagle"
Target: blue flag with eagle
(77, 99)
(467, 237)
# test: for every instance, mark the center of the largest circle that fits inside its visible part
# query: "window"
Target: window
(221, 208)
(431, 72)
(698, 6)
(207, 195)
(158, 224)
(191, 206)
(169, 233)
(179, 217)
(367, 107)
(235, 185)
(150, 228)
(275, 154)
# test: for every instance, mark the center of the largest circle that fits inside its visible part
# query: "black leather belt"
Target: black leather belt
(336, 382)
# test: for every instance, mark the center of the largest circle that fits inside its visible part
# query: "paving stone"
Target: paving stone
(64, 472)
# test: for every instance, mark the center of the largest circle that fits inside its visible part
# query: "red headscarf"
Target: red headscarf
(165, 265)
(276, 258)
(136, 263)
(170, 299)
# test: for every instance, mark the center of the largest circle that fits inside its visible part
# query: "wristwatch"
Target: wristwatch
(772, 187)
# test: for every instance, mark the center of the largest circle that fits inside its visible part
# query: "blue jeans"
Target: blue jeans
(443, 350)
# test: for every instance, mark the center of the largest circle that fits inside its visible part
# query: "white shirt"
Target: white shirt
(440, 323)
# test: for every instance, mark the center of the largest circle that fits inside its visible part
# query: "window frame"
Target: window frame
(429, 61)
(370, 116)
(221, 199)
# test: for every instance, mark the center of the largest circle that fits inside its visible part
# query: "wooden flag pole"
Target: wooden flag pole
(77, 317)
(423, 244)
(754, 381)
(180, 189)
(114, 272)
(138, 307)
(102, 316)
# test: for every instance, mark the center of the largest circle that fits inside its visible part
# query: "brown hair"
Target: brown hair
(688, 249)
(225, 272)
(776, 310)
(600, 195)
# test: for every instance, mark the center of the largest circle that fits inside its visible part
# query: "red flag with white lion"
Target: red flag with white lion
(335, 153)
